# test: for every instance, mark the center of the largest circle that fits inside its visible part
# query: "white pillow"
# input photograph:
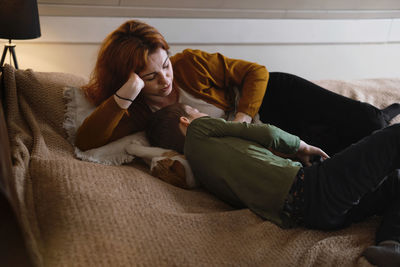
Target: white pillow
(120, 151)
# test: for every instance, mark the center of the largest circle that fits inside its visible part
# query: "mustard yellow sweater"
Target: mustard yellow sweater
(210, 77)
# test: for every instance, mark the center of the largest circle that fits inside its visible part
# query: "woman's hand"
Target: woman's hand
(306, 152)
(242, 117)
(130, 90)
(135, 82)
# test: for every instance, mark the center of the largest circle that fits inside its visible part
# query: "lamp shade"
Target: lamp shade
(19, 19)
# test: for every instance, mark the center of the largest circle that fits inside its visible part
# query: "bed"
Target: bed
(77, 212)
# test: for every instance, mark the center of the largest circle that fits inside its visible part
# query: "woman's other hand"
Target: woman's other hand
(129, 91)
(306, 153)
(242, 117)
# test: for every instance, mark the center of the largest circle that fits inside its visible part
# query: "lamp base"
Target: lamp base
(10, 47)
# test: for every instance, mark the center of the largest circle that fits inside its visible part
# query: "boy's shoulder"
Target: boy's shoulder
(204, 125)
(207, 121)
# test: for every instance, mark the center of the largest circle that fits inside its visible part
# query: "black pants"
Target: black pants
(358, 182)
(318, 116)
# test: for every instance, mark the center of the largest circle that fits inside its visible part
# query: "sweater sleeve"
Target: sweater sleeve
(211, 76)
(266, 135)
(109, 122)
(252, 80)
(97, 129)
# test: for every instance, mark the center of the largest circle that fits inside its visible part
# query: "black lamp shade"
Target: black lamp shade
(19, 19)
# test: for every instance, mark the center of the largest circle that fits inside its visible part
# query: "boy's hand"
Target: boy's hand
(306, 153)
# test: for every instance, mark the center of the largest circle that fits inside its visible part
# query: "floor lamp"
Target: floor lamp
(19, 19)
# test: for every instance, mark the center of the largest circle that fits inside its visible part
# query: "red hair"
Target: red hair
(122, 52)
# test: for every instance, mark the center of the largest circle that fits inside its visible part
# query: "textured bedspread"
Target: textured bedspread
(77, 213)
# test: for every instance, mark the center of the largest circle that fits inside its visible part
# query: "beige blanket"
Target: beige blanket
(77, 213)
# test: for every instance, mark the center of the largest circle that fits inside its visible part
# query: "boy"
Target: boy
(254, 166)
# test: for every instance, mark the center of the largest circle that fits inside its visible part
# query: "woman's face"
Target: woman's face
(157, 75)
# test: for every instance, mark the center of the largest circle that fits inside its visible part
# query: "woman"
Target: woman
(134, 76)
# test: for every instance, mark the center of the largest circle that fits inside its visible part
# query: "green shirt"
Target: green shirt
(232, 161)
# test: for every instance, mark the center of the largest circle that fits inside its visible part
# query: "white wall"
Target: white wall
(312, 48)
(260, 9)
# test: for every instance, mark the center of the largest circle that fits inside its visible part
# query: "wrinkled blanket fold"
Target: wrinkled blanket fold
(77, 213)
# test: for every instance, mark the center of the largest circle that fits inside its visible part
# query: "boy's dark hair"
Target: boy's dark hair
(163, 128)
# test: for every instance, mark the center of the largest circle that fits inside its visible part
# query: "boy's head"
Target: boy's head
(167, 126)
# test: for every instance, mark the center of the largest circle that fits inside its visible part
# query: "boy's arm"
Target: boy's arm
(279, 142)
(266, 135)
